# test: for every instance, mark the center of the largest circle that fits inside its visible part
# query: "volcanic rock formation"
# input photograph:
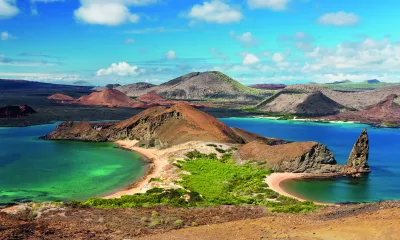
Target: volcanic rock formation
(358, 159)
(60, 97)
(108, 97)
(15, 111)
(159, 126)
(308, 157)
(297, 157)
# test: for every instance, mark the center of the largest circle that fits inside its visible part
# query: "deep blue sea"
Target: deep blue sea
(383, 183)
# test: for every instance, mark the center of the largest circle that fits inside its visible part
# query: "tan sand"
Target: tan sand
(275, 181)
(156, 166)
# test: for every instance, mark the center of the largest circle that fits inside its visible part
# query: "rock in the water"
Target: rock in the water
(358, 159)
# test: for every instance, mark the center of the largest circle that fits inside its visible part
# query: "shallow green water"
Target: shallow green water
(40, 170)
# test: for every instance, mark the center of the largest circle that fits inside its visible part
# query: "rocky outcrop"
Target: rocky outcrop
(16, 111)
(308, 157)
(296, 157)
(358, 159)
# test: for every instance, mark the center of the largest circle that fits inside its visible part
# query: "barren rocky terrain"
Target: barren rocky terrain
(365, 221)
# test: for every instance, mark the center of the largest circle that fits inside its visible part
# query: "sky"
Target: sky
(253, 41)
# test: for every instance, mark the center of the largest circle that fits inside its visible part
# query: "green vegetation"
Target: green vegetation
(212, 181)
(155, 180)
(389, 124)
(211, 145)
(220, 150)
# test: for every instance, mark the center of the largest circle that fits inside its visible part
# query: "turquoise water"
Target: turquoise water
(382, 184)
(40, 170)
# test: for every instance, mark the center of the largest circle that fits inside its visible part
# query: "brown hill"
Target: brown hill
(300, 103)
(16, 111)
(108, 97)
(385, 111)
(160, 126)
(60, 97)
(200, 86)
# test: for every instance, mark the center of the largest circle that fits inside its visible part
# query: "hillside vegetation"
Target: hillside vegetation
(211, 181)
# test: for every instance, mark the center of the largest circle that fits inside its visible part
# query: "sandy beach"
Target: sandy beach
(275, 181)
(156, 165)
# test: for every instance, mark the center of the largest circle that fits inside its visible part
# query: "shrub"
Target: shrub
(178, 224)
(211, 145)
(220, 150)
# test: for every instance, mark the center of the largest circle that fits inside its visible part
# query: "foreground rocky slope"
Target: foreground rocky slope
(357, 222)
(200, 86)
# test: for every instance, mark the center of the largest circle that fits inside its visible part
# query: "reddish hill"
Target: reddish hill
(160, 126)
(15, 111)
(60, 97)
(385, 111)
(108, 97)
(151, 97)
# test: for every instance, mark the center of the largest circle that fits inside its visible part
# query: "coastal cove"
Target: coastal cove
(38, 170)
(381, 184)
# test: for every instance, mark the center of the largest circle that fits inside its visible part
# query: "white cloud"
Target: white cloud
(250, 59)
(278, 57)
(216, 11)
(4, 36)
(8, 8)
(111, 14)
(365, 56)
(170, 55)
(339, 19)
(275, 5)
(248, 40)
(120, 69)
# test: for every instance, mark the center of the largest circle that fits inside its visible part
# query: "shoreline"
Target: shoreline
(275, 182)
(153, 169)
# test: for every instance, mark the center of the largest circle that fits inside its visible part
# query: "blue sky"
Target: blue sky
(254, 41)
